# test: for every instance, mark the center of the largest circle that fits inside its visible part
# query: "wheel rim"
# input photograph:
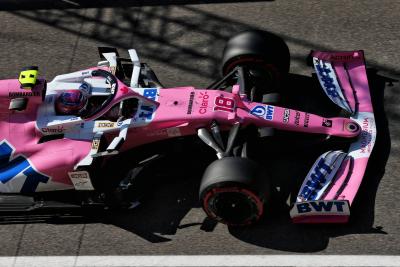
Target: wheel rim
(233, 206)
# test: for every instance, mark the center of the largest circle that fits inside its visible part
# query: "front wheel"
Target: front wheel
(265, 57)
(234, 191)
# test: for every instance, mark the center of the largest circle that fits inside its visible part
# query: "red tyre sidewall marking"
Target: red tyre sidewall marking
(255, 199)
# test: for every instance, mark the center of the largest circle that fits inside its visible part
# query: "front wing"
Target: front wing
(333, 181)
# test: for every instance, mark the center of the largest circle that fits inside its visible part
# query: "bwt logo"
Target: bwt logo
(326, 77)
(17, 168)
(270, 113)
(258, 111)
(264, 111)
(321, 206)
(316, 180)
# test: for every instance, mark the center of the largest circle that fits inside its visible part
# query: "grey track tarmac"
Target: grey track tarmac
(183, 43)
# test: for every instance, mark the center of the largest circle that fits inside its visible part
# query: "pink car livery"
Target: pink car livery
(43, 151)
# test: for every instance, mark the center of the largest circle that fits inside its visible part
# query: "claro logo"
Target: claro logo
(204, 102)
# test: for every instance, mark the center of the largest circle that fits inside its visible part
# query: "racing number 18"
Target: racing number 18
(224, 104)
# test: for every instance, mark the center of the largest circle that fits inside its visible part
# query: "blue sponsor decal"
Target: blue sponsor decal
(258, 111)
(321, 206)
(316, 180)
(10, 169)
(327, 79)
(270, 113)
(267, 112)
(146, 111)
(150, 93)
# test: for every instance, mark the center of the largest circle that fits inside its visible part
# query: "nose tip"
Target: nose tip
(352, 127)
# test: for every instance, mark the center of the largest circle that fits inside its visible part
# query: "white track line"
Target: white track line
(222, 260)
(71, 2)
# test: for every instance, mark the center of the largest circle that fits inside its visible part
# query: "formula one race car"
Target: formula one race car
(58, 137)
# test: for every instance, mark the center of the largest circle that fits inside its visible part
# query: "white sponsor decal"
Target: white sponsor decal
(286, 115)
(321, 175)
(81, 180)
(362, 148)
(105, 124)
(328, 80)
(321, 207)
(315, 179)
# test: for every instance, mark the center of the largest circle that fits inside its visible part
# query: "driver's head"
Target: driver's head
(70, 102)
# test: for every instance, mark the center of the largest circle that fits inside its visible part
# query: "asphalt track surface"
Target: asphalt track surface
(183, 44)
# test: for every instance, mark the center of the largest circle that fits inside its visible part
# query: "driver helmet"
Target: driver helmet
(70, 102)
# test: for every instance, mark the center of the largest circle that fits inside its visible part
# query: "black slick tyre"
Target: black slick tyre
(234, 190)
(256, 49)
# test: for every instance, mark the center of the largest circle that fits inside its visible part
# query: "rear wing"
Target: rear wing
(331, 185)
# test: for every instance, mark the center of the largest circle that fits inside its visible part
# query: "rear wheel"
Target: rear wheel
(234, 190)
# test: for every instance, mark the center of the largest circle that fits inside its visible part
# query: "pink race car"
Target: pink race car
(58, 136)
